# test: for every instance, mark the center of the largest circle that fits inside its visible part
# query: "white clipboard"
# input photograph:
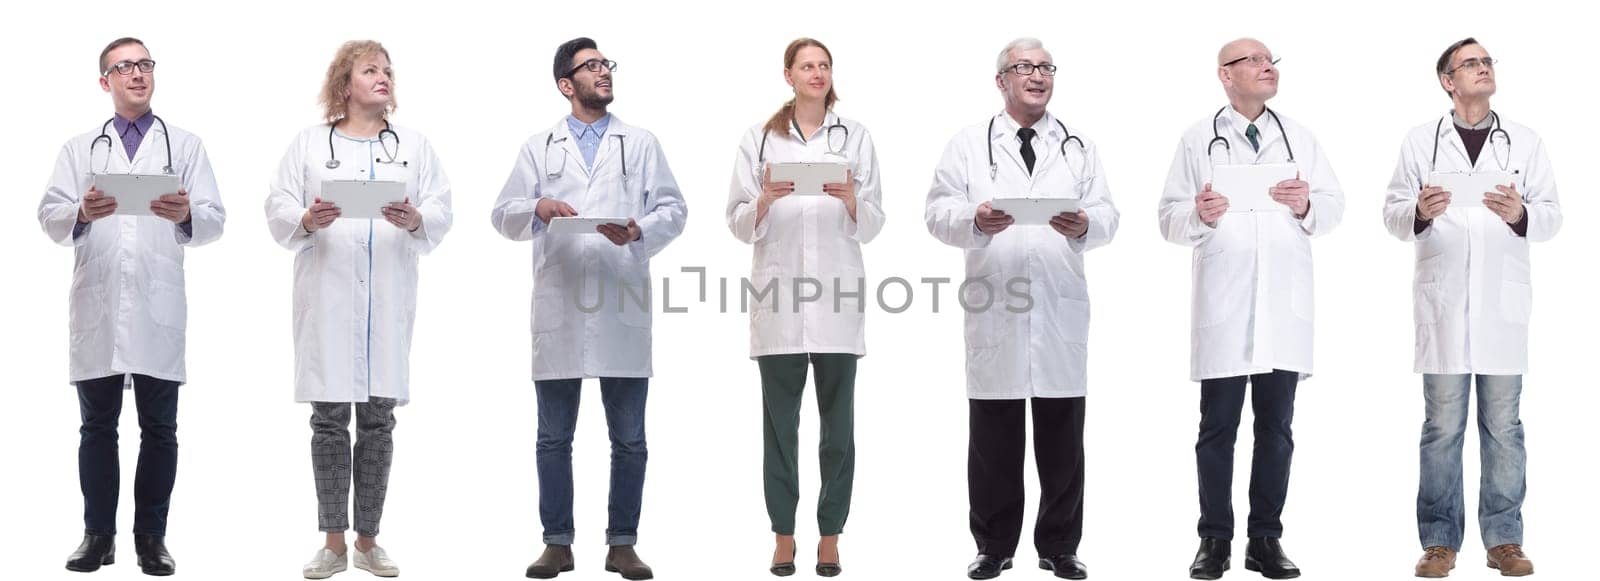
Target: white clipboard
(362, 199)
(1246, 185)
(582, 224)
(808, 177)
(134, 192)
(1467, 188)
(1034, 211)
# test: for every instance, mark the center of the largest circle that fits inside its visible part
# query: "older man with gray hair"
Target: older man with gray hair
(1035, 350)
(1252, 307)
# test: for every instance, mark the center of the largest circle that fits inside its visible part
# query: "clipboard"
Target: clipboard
(362, 199)
(1467, 188)
(808, 177)
(135, 192)
(1246, 185)
(1034, 211)
(582, 224)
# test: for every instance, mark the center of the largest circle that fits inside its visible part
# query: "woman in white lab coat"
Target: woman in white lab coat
(807, 254)
(355, 289)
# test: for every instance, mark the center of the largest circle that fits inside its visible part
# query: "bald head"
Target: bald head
(1239, 48)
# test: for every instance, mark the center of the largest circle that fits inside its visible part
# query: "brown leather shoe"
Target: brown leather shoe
(1510, 561)
(1436, 562)
(555, 560)
(622, 559)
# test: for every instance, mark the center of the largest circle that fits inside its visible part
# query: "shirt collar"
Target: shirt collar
(142, 124)
(580, 129)
(1008, 126)
(1487, 122)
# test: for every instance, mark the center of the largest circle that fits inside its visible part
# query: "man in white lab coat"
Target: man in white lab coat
(1252, 297)
(1472, 302)
(1038, 351)
(591, 306)
(128, 313)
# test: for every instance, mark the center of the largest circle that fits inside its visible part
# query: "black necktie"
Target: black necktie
(1026, 135)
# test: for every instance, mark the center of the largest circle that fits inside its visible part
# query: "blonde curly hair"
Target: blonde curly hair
(337, 81)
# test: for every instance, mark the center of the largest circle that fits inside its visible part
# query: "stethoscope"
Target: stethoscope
(1504, 163)
(1216, 136)
(994, 169)
(103, 135)
(553, 171)
(761, 153)
(333, 160)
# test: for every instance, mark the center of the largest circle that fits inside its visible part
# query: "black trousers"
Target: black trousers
(1221, 403)
(996, 444)
(99, 474)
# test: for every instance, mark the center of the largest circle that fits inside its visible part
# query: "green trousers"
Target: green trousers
(783, 383)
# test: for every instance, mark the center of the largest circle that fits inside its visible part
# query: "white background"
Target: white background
(476, 80)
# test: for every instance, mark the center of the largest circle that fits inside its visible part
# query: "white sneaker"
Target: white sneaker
(324, 564)
(375, 562)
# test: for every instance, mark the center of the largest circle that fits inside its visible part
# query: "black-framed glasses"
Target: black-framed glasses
(593, 65)
(1255, 60)
(125, 68)
(1473, 64)
(1025, 69)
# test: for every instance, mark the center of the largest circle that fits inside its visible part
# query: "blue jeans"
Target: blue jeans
(624, 400)
(1441, 512)
(99, 405)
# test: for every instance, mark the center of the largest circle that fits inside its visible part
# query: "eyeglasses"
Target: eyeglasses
(593, 65)
(125, 68)
(1255, 60)
(1025, 69)
(1473, 64)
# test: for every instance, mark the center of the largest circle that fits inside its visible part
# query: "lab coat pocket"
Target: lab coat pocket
(549, 303)
(1302, 296)
(985, 326)
(168, 307)
(1212, 285)
(1516, 301)
(635, 301)
(1427, 302)
(87, 308)
(1073, 320)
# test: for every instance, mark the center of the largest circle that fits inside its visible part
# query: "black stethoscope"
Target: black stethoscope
(333, 160)
(1496, 130)
(761, 153)
(103, 135)
(1216, 136)
(622, 149)
(994, 169)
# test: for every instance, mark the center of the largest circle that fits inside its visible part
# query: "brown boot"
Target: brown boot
(555, 560)
(622, 559)
(1436, 562)
(1510, 561)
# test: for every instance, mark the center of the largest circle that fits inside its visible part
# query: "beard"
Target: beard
(592, 99)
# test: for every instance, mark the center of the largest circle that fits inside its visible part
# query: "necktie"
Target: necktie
(1026, 135)
(1252, 133)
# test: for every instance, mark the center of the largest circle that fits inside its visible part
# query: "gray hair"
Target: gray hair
(1024, 43)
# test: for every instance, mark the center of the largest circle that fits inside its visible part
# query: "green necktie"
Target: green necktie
(1252, 133)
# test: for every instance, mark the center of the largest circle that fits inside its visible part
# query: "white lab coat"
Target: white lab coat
(1043, 351)
(355, 282)
(128, 311)
(573, 274)
(1472, 294)
(1252, 308)
(807, 242)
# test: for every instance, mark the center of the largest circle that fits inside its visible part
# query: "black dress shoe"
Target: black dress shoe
(555, 560)
(785, 568)
(1211, 560)
(94, 551)
(153, 556)
(987, 566)
(1266, 557)
(1065, 566)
